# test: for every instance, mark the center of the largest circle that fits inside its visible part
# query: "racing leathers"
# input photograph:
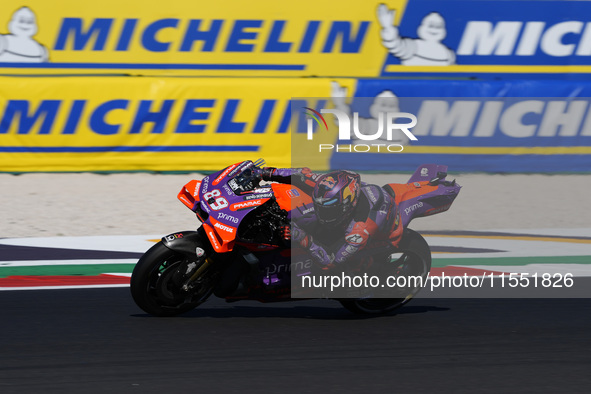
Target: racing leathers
(375, 220)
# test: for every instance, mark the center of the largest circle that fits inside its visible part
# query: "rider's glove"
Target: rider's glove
(256, 173)
(285, 232)
(267, 173)
(320, 256)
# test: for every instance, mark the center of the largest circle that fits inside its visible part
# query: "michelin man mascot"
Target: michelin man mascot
(384, 102)
(427, 50)
(19, 46)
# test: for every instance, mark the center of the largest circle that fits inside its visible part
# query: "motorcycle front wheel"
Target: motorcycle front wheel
(157, 280)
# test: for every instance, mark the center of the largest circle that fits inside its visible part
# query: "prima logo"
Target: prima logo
(288, 267)
(225, 216)
(413, 207)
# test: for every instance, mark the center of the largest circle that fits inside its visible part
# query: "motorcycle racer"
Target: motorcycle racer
(347, 214)
(239, 253)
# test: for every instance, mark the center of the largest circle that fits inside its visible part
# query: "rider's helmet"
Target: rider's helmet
(335, 196)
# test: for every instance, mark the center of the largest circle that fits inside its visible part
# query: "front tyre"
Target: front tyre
(157, 280)
(414, 260)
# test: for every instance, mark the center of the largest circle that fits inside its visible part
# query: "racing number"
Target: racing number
(219, 203)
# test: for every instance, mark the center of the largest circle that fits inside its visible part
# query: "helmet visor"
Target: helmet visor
(329, 211)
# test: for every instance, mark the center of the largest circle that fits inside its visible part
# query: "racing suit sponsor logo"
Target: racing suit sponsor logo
(371, 194)
(309, 210)
(354, 239)
(349, 250)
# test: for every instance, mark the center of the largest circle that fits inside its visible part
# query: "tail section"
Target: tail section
(426, 193)
(427, 172)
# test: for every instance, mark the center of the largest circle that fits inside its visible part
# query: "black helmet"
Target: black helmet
(335, 196)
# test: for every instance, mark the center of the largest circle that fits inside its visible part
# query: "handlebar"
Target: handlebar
(247, 180)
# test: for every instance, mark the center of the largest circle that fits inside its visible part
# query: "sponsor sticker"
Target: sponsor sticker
(229, 218)
(254, 196)
(172, 237)
(224, 227)
(223, 174)
(354, 239)
(293, 193)
(246, 204)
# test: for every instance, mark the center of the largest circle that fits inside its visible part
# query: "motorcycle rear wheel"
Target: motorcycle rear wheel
(416, 254)
(155, 286)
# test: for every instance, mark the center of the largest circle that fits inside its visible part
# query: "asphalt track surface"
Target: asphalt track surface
(98, 341)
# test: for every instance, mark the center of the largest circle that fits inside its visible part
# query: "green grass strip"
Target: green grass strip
(439, 262)
(85, 270)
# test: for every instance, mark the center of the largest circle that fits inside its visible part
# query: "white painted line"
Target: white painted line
(561, 232)
(511, 248)
(578, 270)
(62, 287)
(111, 243)
(34, 263)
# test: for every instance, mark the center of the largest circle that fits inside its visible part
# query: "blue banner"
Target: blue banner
(487, 38)
(493, 126)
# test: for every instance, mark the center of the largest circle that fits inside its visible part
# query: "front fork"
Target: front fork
(195, 246)
(206, 264)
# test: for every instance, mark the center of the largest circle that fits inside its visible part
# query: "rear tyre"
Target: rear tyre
(156, 283)
(414, 260)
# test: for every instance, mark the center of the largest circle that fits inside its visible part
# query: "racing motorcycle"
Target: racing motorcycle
(236, 252)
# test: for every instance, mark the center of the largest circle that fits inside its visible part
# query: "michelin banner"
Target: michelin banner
(229, 38)
(154, 124)
(349, 38)
(188, 124)
(516, 126)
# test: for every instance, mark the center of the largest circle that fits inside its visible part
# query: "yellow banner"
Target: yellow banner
(153, 124)
(232, 38)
